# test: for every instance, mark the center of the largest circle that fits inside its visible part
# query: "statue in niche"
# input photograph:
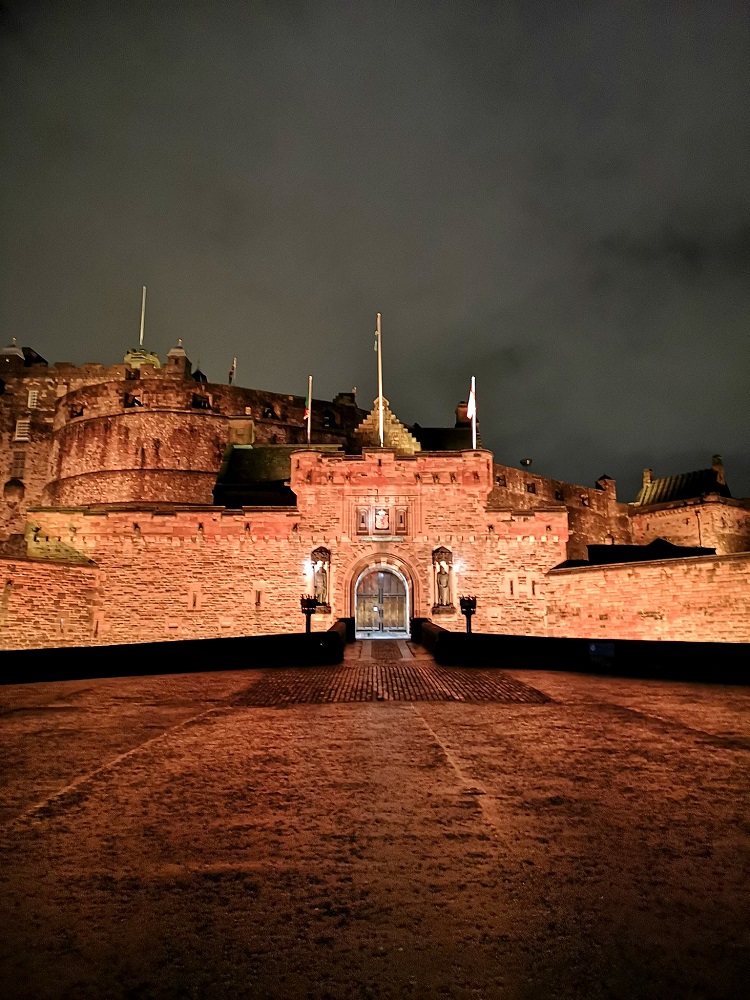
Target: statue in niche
(442, 560)
(443, 585)
(320, 583)
(321, 561)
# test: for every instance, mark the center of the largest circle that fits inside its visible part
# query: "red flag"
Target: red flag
(232, 370)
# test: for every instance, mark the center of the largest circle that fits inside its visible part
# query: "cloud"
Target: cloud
(688, 251)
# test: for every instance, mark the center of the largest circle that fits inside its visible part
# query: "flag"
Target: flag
(232, 370)
(307, 404)
(471, 409)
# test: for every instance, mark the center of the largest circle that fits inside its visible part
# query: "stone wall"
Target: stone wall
(713, 521)
(704, 598)
(155, 426)
(594, 514)
(47, 604)
(210, 572)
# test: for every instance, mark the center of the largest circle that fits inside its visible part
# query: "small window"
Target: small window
(23, 430)
(258, 600)
(500, 481)
(363, 520)
(76, 411)
(584, 500)
(559, 495)
(18, 465)
(329, 418)
(401, 521)
(268, 412)
(33, 400)
(201, 401)
(130, 401)
(531, 487)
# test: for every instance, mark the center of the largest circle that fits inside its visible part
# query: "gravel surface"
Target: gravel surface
(165, 837)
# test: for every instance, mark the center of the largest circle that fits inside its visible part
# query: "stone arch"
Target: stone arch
(372, 560)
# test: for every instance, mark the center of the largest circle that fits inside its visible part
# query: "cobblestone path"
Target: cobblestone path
(385, 670)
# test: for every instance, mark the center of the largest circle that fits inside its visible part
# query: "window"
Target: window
(531, 487)
(559, 495)
(200, 401)
(18, 465)
(23, 430)
(400, 521)
(130, 400)
(268, 412)
(33, 400)
(499, 480)
(363, 521)
(76, 411)
(329, 418)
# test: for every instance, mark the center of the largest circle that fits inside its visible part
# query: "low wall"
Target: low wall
(698, 599)
(173, 657)
(705, 661)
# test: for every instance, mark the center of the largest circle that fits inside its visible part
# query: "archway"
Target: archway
(381, 604)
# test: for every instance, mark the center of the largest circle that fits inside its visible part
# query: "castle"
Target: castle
(141, 503)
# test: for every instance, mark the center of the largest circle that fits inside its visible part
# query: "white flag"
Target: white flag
(471, 409)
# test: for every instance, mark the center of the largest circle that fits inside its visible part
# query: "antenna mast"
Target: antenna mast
(143, 315)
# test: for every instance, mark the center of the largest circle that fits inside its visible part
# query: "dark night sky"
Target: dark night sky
(553, 196)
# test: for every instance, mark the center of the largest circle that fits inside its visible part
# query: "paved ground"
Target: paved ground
(552, 835)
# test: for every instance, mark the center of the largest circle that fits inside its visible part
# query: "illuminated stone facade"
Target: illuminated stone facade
(112, 532)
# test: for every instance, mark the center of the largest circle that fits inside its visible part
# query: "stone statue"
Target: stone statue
(443, 584)
(320, 581)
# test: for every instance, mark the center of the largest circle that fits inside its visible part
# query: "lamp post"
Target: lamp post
(308, 603)
(468, 607)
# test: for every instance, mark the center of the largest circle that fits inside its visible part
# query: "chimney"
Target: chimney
(462, 419)
(718, 466)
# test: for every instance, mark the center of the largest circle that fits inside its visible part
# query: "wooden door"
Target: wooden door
(381, 603)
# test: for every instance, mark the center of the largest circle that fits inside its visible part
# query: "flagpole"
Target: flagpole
(309, 408)
(474, 416)
(143, 315)
(380, 381)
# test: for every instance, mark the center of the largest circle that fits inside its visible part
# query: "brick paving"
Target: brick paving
(385, 670)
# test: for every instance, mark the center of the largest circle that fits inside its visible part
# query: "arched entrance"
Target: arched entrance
(381, 604)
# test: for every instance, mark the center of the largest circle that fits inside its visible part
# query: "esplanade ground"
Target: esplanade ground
(384, 828)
